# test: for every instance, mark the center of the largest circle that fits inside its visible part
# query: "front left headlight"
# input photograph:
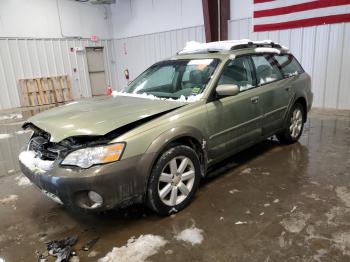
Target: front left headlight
(90, 156)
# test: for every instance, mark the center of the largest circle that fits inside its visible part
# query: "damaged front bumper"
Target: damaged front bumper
(119, 183)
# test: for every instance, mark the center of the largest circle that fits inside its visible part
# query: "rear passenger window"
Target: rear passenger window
(238, 72)
(266, 69)
(289, 65)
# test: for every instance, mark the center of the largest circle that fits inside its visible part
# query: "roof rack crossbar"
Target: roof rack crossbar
(255, 45)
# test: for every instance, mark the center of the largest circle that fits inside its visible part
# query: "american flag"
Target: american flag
(284, 14)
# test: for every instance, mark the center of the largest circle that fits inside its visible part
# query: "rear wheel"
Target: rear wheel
(174, 180)
(295, 126)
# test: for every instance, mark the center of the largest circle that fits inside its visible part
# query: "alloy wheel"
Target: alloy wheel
(296, 123)
(176, 180)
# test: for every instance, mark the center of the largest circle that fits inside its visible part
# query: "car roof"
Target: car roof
(226, 49)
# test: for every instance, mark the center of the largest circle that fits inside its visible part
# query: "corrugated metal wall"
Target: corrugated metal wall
(30, 58)
(138, 53)
(324, 52)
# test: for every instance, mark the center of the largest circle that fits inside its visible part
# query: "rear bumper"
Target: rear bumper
(120, 183)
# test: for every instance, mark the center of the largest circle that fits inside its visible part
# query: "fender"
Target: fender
(163, 140)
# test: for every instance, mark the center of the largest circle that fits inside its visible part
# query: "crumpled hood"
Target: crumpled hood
(98, 116)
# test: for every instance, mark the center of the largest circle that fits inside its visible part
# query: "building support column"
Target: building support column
(216, 14)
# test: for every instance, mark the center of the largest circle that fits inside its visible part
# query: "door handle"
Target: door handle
(254, 99)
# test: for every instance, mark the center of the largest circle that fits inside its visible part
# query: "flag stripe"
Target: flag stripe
(314, 13)
(262, 1)
(279, 3)
(299, 7)
(303, 22)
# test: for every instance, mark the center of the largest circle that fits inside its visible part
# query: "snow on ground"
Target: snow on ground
(22, 180)
(20, 132)
(191, 235)
(3, 136)
(192, 98)
(8, 199)
(246, 171)
(11, 116)
(241, 222)
(136, 250)
(34, 163)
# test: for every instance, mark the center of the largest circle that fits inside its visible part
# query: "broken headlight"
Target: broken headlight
(90, 156)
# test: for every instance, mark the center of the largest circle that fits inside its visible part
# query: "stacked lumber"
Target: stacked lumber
(45, 90)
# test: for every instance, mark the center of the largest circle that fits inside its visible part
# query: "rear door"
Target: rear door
(276, 92)
(234, 121)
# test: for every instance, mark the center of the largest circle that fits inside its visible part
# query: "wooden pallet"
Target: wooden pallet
(45, 90)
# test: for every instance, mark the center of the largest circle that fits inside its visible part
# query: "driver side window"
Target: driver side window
(238, 72)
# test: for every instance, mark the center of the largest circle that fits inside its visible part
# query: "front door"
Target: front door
(234, 121)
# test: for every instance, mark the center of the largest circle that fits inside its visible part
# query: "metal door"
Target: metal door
(95, 61)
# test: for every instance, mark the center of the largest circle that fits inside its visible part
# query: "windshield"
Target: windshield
(174, 79)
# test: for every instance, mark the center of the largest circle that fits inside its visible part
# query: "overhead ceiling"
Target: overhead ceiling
(97, 1)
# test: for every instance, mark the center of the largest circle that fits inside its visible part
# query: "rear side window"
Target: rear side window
(289, 65)
(266, 69)
(238, 72)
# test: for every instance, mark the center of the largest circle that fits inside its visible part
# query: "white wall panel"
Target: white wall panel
(324, 52)
(53, 19)
(31, 58)
(140, 17)
(139, 52)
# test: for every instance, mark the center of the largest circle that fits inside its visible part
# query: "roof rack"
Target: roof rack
(196, 47)
(255, 45)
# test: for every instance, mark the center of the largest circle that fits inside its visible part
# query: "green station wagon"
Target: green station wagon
(154, 141)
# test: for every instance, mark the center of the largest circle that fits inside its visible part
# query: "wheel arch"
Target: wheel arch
(184, 135)
(301, 100)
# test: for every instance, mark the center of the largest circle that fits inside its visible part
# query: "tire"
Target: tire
(166, 179)
(295, 125)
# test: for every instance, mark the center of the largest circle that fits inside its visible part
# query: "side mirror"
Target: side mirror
(227, 90)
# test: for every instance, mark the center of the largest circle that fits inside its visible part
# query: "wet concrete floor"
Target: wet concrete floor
(268, 203)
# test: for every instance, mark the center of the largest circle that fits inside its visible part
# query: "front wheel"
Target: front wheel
(174, 180)
(295, 126)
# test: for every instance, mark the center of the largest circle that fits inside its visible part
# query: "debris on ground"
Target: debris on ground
(276, 201)
(90, 244)
(293, 209)
(22, 180)
(11, 171)
(93, 253)
(62, 249)
(9, 199)
(267, 205)
(168, 252)
(191, 235)
(136, 250)
(246, 171)
(241, 222)
(234, 191)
